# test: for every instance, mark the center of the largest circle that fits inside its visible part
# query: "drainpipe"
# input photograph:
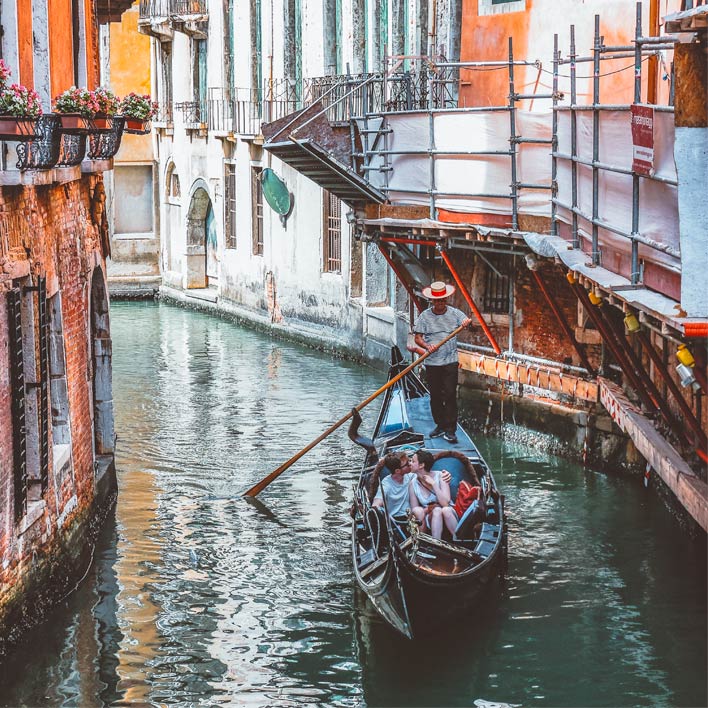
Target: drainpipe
(580, 350)
(671, 385)
(468, 298)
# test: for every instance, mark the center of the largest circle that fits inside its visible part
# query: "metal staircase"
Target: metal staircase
(338, 157)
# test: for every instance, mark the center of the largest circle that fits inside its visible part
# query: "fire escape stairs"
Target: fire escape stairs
(324, 152)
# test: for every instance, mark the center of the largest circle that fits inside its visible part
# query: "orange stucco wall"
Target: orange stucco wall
(130, 71)
(61, 59)
(24, 33)
(485, 38)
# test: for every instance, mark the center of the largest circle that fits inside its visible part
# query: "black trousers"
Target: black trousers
(442, 382)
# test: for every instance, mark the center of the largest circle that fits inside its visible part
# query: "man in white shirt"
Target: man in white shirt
(432, 326)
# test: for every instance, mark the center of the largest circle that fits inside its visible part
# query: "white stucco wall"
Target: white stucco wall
(691, 155)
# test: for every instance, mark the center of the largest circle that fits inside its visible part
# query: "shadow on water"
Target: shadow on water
(200, 597)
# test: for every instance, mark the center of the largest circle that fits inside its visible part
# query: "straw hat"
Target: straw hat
(438, 290)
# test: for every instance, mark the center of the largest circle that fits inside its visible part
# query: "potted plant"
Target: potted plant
(108, 105)
(19, 110)
(4, 73)
(77, 107)
(138, 111)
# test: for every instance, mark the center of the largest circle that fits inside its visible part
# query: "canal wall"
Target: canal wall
(57, 473)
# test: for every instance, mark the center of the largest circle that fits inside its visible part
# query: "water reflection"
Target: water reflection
(199, 597)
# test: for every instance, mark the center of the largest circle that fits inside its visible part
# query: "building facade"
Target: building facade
(57, 475)
(488, 142)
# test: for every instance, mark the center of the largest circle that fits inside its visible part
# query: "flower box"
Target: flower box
(75, 123)
(136, 126)
(102, 123)
(14, 128)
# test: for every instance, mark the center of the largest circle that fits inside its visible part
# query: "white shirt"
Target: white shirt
(396, 494)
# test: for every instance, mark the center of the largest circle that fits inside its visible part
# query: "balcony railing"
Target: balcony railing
(104, 146)
(244, 111)
(422, 86)
(194, 113)
(43, 152)
(152, 9)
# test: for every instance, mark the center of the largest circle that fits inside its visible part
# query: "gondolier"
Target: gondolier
(432, 326)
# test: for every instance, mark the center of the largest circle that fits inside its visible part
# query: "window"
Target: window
(230, 204)
(257, 210)
(173, 189)
(500, 7)
(199, 75)
(165, 84)
(29, 377)
(496, 285)
(133, 200)
(332, 234)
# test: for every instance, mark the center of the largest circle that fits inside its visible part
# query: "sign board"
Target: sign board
(642, 139)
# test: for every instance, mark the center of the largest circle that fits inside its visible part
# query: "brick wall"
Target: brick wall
(48, 231)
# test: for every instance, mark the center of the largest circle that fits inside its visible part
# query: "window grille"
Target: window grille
(43, 317)
(230, 204)
(19, 421)
(496, 286)
(257, 210)
(332, 234)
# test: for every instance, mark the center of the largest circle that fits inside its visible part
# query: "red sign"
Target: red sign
(642, 139)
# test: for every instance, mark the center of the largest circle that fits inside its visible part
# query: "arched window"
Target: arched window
(172, 184)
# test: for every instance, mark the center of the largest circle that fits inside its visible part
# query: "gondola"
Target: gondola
(415, 582)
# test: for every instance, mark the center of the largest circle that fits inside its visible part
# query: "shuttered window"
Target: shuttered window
(230, 204)
(19, 410)
(257, 210)
(332, 234)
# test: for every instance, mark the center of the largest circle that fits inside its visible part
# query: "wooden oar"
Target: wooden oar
(260, 486)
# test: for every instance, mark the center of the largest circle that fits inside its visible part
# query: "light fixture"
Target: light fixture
(631, 323)
(685, 368)
(594, 298)
(531, 261)
(686, 377)
(351, 217)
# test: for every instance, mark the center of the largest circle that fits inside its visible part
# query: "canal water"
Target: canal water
(199, 597)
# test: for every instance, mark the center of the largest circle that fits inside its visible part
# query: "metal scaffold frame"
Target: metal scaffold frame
(642, 46)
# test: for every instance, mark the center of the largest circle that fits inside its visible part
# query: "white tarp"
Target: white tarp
(466, 175)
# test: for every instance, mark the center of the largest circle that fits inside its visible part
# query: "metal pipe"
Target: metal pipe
(595, 255)
(642, 239)
(573, 143)
(608, 107)
(431, 162)
(512, 138)
(468, 298)
(449, 153)
(404, 283)
(613, 168)
(635, 272)
(624, 55)
(408, 241)
(515, 356)
(671, 385)
(554, 138)
(524, 185)
(579, 348)
(470, 109)
(446, 194)
(501, 63)
(609, 340)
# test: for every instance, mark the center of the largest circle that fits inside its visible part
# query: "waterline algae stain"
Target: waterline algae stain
(198, 597)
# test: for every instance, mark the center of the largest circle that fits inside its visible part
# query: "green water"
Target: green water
(198, 597)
